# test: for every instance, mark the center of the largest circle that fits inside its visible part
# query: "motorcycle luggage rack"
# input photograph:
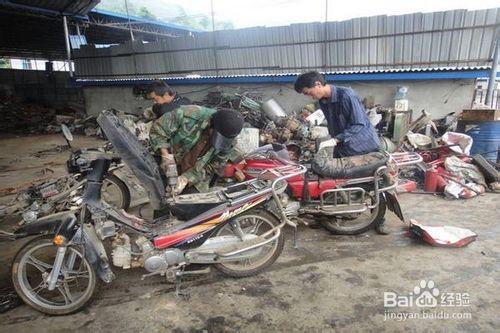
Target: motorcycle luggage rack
(404, 158)
(333, 209)
(336, 208)
(261, 186)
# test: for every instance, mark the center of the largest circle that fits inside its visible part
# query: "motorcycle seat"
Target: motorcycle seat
(188, 206)
(325, 165)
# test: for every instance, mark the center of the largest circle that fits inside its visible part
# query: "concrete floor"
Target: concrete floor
(330, 283)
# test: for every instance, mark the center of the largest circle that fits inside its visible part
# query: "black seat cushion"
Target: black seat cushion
(187, 212)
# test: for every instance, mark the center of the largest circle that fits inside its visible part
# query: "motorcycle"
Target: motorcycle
(347, 205)
(237, 229)
(65, 193)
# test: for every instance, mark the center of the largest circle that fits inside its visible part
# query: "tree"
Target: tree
(172, 14)
(4, 63)
(224, 25)
(145, 13)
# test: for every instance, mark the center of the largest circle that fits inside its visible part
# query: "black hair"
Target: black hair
(160, 88)
(308, 80)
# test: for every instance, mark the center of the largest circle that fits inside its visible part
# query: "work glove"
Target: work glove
(327, 143)
(182, 182)
(166, 161)
(239, 176)
(148, 114)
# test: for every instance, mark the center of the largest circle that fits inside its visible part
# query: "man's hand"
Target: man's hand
(166, 160)
(182, 181)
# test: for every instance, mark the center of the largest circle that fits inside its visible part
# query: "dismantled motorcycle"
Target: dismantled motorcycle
(347, 195)
(237, 229)
(65, 193)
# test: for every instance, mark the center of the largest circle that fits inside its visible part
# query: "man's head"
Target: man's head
(226, 125)
(160, 92)
(312, 84)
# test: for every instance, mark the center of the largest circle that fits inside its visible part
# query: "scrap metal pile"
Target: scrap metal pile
(448, 167)
(27, 118)
(294, 130)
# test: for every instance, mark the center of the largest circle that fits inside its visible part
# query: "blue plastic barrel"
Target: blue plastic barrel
(486, 142)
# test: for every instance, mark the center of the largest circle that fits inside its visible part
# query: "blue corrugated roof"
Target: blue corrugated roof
(146, 21)
(440, 73)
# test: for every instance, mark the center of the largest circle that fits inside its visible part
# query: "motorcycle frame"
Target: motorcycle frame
(79, 232)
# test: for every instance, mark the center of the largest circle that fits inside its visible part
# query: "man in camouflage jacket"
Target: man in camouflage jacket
(189, 136)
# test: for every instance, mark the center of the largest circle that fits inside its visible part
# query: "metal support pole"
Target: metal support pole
(493, 74)
(129, 24)
(68, 47)
(78, 30)
(213, 38)
(132, 38)
(325, 43)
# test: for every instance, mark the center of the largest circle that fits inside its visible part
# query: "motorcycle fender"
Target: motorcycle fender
(95, 252)
(63, 224)
(393, 205)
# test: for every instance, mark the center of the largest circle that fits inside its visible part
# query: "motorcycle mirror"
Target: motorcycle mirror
(67, 134)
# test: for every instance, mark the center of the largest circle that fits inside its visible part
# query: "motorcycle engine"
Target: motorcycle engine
(162, 261)
(126, 255)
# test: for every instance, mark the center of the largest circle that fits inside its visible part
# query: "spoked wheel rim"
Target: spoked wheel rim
(252, 224)
(356, 221)
(75, 283)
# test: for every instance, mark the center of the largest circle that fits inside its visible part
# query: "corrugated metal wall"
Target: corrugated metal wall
(450, 38)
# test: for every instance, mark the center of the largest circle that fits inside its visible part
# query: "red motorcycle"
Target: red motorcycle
(349, 204)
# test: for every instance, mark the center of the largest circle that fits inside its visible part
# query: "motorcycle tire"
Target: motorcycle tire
(25, 260)
(234, 269)
(376, 216)
(123, 201)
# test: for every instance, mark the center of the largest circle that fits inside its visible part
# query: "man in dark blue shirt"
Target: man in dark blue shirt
(345, 116)
(344, 113)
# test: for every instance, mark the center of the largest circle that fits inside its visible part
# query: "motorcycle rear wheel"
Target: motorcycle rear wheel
(75, 286)
(115, 192)
(347, 225)
(253, 222)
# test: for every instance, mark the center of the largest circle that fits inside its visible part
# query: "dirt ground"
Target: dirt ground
(328, 283)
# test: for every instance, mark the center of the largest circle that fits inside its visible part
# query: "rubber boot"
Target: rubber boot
(381, 228)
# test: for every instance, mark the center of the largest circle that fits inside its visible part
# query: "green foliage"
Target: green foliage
(158, 10)
(117, 6)
(4, 63)
(223, 25)
(145, 13)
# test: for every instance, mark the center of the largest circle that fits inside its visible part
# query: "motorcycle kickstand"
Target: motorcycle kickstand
(295, 241)
(178, 280)
(178, 286)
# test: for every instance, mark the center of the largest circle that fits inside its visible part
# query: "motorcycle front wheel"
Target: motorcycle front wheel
(75, 285)
(255, 222)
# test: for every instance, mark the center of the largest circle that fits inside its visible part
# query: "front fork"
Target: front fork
(56, 269)
(93, 250)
